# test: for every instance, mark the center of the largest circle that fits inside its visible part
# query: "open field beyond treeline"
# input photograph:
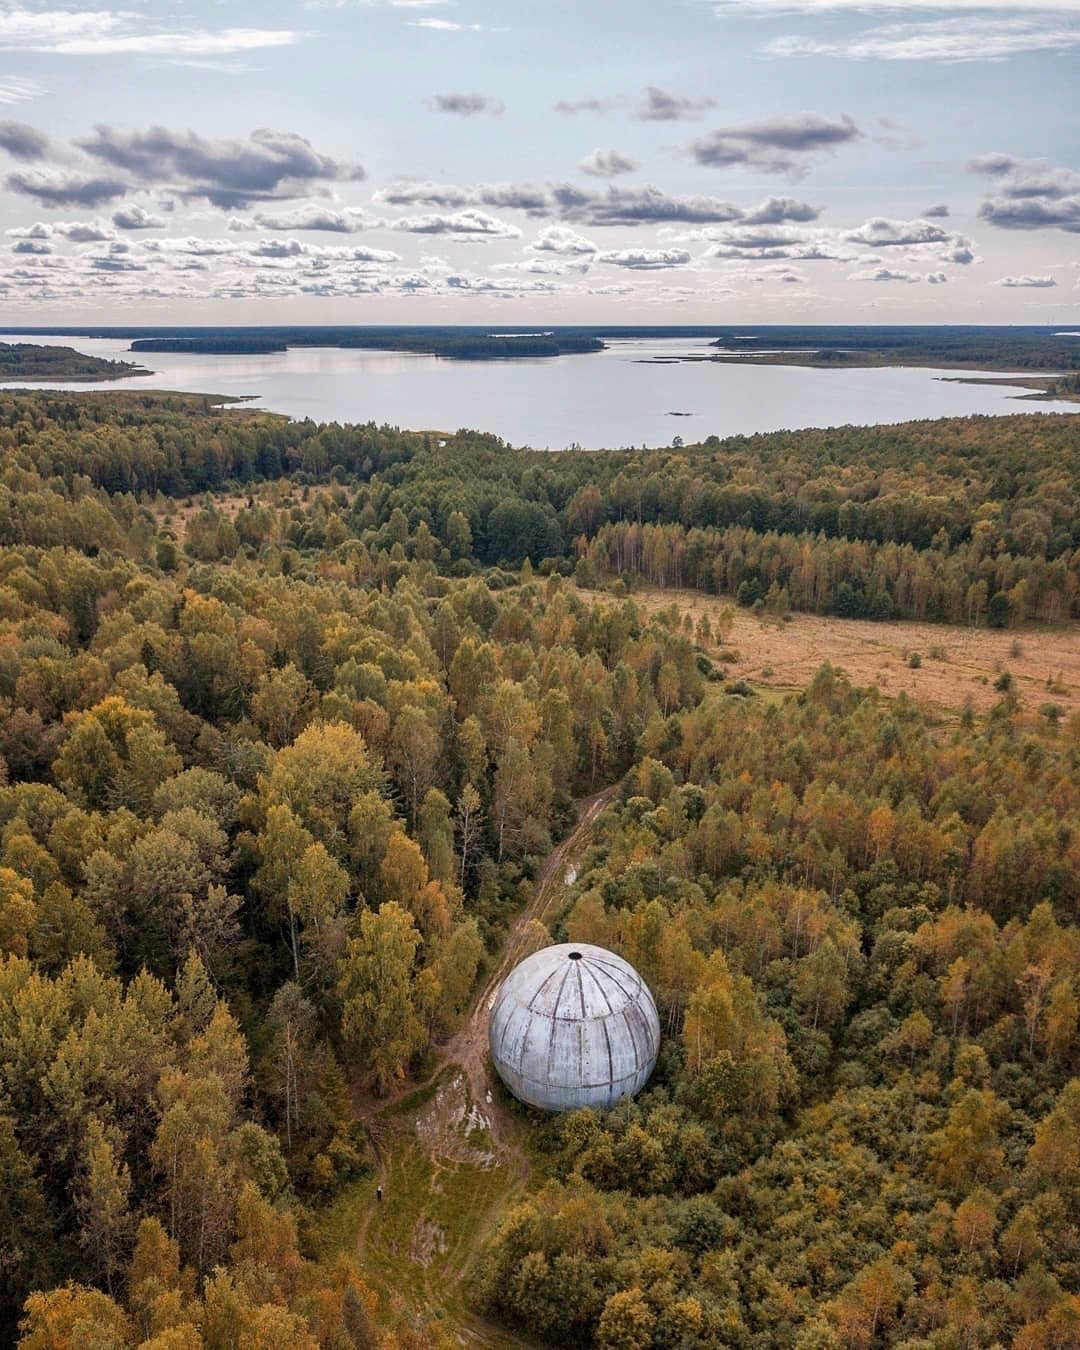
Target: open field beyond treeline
(957, 663)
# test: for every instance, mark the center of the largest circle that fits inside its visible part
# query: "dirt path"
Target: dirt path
(469, 1048)
(374, 1135)
(450, 1154)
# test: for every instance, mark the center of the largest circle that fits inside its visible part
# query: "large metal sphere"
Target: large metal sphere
(574, 1025)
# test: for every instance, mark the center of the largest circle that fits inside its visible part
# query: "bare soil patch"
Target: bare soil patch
(452, 1127)
(429, 1241)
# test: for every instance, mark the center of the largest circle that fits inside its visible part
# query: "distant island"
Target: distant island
(26, 361)
(456, 344)
(999, 349)
(1044, 388)
(829, 347)
(982, 348)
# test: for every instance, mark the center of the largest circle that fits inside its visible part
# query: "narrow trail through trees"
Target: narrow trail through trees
(460, 1089)
(469, 1048)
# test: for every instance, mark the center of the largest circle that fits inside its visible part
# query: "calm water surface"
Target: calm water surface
(633, 393)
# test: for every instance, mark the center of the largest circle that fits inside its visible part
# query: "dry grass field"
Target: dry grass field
(177, 513)
(955, 664)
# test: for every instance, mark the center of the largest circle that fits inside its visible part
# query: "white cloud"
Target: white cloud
(774, 144)
(305, 218)
(137, 217)
(268, 165)
(198, 248)
(886, 274)
(13, 89)
(110, 32)
(1031, 194)
(789, 276)
(918, 240)
(880, 232)
(212, 63)
(1036, 283)
(52, 187)
(480, 285)
(39, 230)
(194, 43)
(467, 105)
(953, 40)
(544, 266)
(659, 105)
(367, 255)
(84, 231)
(607, 164)
(565, 243)
(645, 259)
(424, 194)
(446, 26)
(765, 8)
(462, 224)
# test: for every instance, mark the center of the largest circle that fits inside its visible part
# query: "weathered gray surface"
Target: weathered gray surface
(568, 1032)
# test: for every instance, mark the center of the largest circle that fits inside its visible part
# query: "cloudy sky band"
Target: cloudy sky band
(821, 158)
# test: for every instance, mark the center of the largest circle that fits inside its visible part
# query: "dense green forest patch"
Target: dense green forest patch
(27, 361)
(965, 521)
(862, 1120)
(838, 347)
(290, 717)
(457, 345)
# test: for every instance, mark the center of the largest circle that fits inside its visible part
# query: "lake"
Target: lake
(636, 392)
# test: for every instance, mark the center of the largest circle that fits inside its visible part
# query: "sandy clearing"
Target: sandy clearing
(969, 660)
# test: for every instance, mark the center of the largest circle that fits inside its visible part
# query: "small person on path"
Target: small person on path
(378, 1194)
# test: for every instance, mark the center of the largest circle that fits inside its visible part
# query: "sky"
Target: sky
(576, 161)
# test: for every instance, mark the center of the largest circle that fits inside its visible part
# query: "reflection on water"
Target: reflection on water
(634, 393)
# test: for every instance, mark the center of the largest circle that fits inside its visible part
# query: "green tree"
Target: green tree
(627, 1322)
(414, 756)
(319, 777)
(27, 1242)
(104, 1204)
(469, 817)
(435, 831)
(999, 610)
(379, 1025)
(280, 703)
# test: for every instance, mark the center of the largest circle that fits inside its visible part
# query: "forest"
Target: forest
(30, 361)
(290, 717)
(453, 343)
(1064, 386)
(964, 521)
(988, 348)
